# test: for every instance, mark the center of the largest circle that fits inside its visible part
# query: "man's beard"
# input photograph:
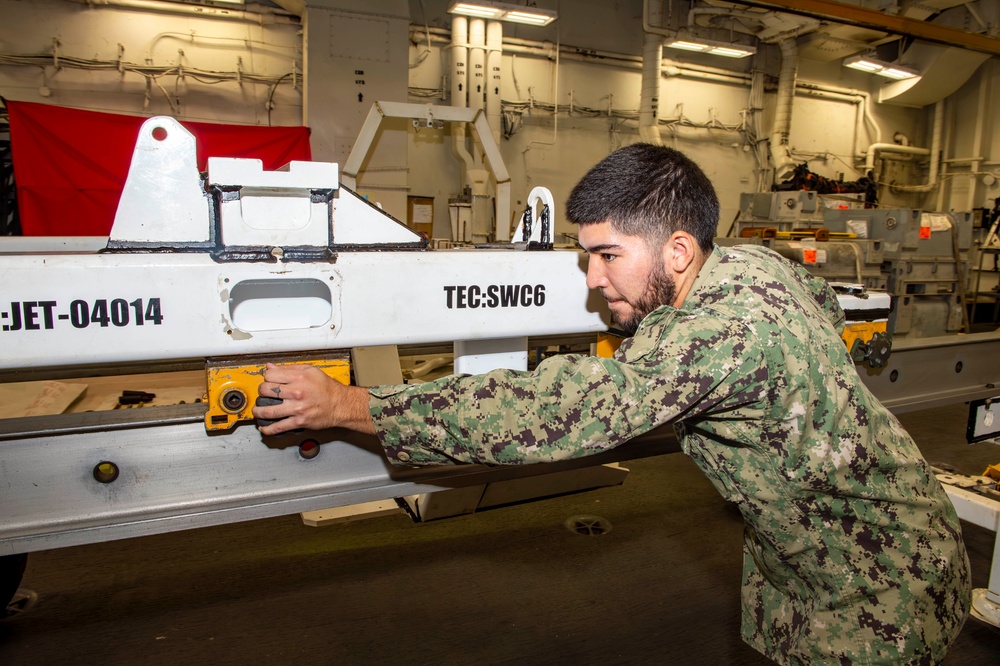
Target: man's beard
(661, 290)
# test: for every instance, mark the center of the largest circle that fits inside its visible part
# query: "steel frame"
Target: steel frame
(173, 475)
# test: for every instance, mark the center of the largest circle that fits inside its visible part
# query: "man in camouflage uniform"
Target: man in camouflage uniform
(853, 553)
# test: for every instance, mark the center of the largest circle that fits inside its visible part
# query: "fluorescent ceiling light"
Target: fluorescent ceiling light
(687, 46)
(502, 11)
(529, 17)
(882, 68)
(729, 52)
(724, 49)
(479, 11)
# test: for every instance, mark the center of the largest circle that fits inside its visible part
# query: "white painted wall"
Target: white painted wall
(77, 37)
(355, 55)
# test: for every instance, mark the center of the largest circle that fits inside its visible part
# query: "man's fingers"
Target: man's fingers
(276, 428)
(271, 412)
(273, 390)
(282, 374)
(306, 394)
(273, 419)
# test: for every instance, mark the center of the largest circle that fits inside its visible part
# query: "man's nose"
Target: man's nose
(595, 276)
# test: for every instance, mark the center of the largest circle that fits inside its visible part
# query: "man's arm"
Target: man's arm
(311, 400)
(569, 406)
(572, 406)
(501, 417)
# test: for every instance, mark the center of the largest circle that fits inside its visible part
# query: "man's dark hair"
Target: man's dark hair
(647, 191)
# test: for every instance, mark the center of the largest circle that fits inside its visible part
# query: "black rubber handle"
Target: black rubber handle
(266, 402)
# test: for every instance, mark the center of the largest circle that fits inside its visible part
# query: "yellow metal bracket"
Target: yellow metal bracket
(863, 331)
(233, 383)
(859, 334)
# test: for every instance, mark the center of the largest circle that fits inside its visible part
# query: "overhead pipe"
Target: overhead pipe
(544, 49)
(540, 49)
(494, 58)
(934, 152)
(670, 67)
(477, 63)
(876, 148)
(755, 105)
(781, 154)
(703, 76)
(459, 88)
(652, 60)
(871, 118)
(478, 175)
(592, 55)
(647, 23)
(459, 60)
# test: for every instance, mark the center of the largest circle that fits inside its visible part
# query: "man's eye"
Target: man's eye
(608, 258)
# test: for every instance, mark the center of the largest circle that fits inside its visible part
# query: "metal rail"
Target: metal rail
(932, 372)
(172, 475)
(42, 373)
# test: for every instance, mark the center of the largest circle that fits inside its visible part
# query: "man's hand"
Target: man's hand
(311, 400)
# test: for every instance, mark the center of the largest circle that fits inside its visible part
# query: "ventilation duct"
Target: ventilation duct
(781, 154)
(943, 71)
(652, 60)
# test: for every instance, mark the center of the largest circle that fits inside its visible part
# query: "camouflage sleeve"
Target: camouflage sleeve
(570, 406)
(827, 299)
(820, 290)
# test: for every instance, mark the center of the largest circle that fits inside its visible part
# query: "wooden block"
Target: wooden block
(37, 398)
(100, 393)
(376, 365)
(346, 514)
(170, 388)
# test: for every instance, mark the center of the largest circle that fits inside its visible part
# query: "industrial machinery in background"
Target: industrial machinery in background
(920, 258)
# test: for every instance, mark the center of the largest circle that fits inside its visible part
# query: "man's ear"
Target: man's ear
(679, 252)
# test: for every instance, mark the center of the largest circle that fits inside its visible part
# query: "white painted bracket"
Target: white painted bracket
(273, 207)
(358, 223)
(433, 113)
(163, 200)
(538, 198)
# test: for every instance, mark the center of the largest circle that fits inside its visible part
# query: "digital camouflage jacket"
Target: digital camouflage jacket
(853, 552)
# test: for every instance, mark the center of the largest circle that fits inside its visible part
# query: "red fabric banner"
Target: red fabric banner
(70, 165)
